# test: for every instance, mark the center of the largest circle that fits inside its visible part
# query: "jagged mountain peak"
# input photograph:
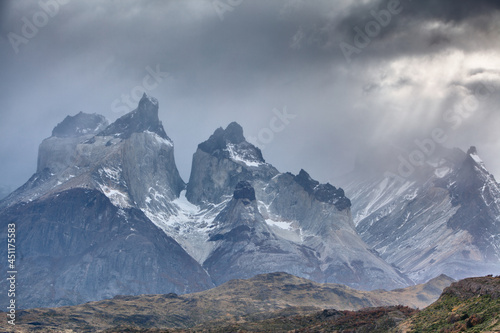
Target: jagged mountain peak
(473, 155)
(305, 180)
(476, 194)
(472, 173)
(222, 161)
(459, 231)
(323, 192)
(221, 137)
(80, 124)
(131, 161)
(148, 102)
(472, 150)
(234, 133)
(231, 143)
(144, 118)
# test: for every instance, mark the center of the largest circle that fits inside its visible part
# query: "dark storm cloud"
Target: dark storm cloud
(93, 52)
(418, 27)
(262, 56)
(450, 10)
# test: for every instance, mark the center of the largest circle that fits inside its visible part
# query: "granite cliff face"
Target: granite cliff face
(56, 153)
(77, 246)
(235, 159)
(82, 219)
(246, 245)
(135, 167)
(293, 219)
(143, 119)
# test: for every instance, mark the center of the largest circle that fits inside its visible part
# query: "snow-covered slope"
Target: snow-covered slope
(443, 218)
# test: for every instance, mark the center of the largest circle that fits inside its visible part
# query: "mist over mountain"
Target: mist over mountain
(434, 65)
(439, 216)
(4, 191)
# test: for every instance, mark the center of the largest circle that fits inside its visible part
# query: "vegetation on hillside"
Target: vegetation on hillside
(470, 305)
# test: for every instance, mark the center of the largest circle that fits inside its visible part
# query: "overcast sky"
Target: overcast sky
(342, 74)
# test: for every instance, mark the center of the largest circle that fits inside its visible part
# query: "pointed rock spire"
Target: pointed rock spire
(323, 192)
(233, 134)
(144, 118)
(472, 150)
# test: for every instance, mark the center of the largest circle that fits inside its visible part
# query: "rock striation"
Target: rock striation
(442, 218)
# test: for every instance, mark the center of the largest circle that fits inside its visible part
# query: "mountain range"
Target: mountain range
(107, 214)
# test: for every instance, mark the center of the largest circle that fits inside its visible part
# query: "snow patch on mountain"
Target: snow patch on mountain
(112, 173)
(117, 197)
(477, 159)
(160, 140)
(188, 224)
(245, 157)
(185, 206)
(380, 197)
(442, 172)
(285, 225)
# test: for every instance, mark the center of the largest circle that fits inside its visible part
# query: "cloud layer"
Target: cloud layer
(222, 61)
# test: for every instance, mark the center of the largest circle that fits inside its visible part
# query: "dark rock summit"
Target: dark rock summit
(221, 162)
(221, 137)
(144, 118)
(472, 150)
(80, 124)
(323, 192)
(220, 143)
(244, 191)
